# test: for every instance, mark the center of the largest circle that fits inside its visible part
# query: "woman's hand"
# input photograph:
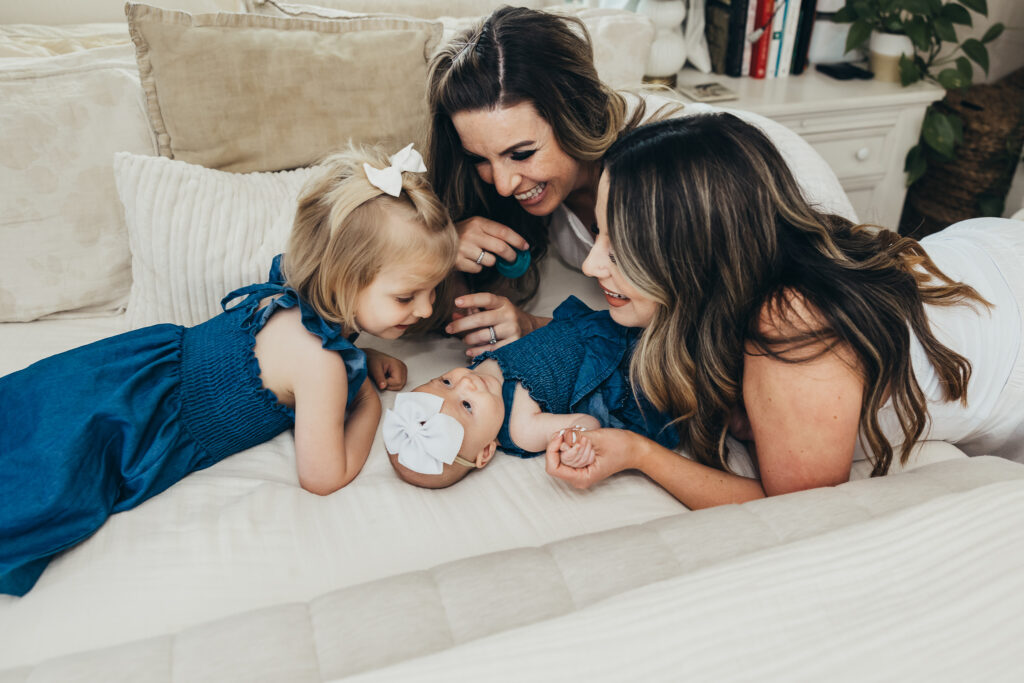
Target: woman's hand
(482, 241)
(491, 313)
(386, 372)
(612, 452)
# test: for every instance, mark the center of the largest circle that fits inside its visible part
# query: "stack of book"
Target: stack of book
(759, 38)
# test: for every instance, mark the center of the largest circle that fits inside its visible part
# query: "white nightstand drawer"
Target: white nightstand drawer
(854, 157)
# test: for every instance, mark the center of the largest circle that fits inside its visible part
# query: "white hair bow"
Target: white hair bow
(420, 433)
(390, 179)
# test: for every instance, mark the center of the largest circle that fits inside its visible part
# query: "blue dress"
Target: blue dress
(101, 428)
(578, 363)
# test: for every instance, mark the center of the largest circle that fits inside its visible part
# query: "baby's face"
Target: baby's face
(474, 399)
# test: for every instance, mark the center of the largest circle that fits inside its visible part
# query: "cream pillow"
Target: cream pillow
(621, 39)
(246, 92)
(424, 9)
(36, 40)
(63, 246)
(197, 234)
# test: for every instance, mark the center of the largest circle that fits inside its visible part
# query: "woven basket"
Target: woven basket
(993, 121)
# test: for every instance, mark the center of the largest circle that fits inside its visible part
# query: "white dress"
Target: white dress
(818, 181)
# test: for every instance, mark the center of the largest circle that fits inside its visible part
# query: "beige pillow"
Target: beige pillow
(246, 92)
(424, 9)
(63, 246)
(621, 39)
(197, 234)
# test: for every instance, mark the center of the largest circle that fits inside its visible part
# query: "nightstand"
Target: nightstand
(863, 129)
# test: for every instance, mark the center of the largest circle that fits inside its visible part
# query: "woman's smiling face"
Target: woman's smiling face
(515, 150)
(628, 307)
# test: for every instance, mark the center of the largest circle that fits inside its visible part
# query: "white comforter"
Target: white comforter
(242, 535)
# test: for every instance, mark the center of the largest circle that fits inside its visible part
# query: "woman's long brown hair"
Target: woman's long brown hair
(706, 219)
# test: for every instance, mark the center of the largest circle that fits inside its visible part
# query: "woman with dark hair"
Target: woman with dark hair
(816, 340)
(519, 124)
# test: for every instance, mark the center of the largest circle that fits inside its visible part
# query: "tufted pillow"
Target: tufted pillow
(63, 247)
(197, 233)
(246, 92)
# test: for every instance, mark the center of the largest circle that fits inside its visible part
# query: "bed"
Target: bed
(236, 573)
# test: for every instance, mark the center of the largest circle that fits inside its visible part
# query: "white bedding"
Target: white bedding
(242, 534)
(918, 595)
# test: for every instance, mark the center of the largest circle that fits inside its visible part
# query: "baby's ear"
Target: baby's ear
(485, 455)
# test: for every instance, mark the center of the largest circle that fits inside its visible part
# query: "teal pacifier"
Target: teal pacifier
(515, 268)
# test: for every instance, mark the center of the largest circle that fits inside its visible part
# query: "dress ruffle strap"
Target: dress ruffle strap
(331, 335)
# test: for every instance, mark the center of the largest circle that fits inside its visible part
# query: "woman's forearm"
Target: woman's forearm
(696, 486)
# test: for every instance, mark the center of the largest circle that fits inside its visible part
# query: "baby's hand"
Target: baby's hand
(575, 450)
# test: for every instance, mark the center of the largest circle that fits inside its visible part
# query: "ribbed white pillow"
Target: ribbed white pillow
(196, 233)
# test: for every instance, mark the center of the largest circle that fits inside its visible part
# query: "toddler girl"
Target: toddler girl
(568, 376)
(101, 428)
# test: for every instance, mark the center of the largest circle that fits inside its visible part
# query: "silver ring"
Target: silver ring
(494, 338)
(479, 260)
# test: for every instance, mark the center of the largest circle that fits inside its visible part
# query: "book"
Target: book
(789, 26)
(711, 91)
(776, 29)
(737, 38)
(759, 52)
(716, 32)
(748, 32)
(802, 45)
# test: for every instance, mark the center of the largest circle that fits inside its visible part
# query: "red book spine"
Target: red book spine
(763, 23)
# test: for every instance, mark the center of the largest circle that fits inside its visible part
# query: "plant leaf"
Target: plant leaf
(938, 133)
(909, 71)
(860, 31)
(844, 16)
(951, 79)
(916, 164)
(993, 32)
(979, 6)
(991, 205)
(958, 128)
(944, 29)
(977, 52)
(963, 65)
(917, 6)
(957, 14)
(918, 32)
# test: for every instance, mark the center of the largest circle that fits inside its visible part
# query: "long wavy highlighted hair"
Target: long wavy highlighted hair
(518, 55)
(342, 236)
(705, 218)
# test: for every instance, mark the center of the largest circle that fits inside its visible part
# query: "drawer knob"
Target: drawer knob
(863, 153)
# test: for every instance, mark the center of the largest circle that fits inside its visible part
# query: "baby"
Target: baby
(569, 376)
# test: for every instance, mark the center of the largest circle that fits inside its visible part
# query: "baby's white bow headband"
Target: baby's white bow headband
(423, 437)
(390, 179)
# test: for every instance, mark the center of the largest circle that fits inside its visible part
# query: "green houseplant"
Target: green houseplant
(939, 56)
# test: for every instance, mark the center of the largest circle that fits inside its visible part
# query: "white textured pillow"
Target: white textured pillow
(63, 247)
(197, 233)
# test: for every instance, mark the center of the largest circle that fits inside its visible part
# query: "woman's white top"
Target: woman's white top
(987, 254)
(819, 183)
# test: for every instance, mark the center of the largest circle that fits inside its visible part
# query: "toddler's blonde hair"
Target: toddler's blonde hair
(340, 239)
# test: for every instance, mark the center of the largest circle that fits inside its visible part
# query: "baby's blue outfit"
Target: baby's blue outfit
(101, 428)
(578, 363)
